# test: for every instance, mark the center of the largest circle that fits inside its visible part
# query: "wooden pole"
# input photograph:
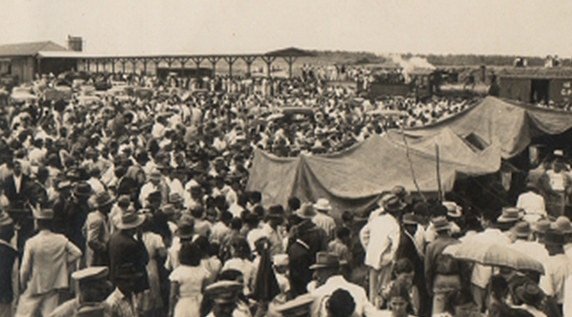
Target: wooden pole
(438, 167)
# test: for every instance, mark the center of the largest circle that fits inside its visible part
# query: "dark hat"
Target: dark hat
(124, 200)
(186, 227)
(91, 273)
(175, 198)
(103, 199)
(522, 229)
(325, 260)
(224, 292)
(510, 214)
(529, 293)
(275, 211)
(562, 225)
(553, 237)
(168, 209)
(130, 219)
(82, 189)
(306, 211)
(441, 224)
(127, 271)
(393, 204)
(541, 226)
(297, 307)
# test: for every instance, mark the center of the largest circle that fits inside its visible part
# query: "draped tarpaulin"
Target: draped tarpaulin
(354, 178)
(514, 124)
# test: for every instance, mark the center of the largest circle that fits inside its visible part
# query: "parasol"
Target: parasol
(23, 96)
(494, 255)
(85, 100)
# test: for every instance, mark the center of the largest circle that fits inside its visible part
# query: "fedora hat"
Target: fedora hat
(297, 307)
(409, 219)
(130, 219)
(529, 293)
(323, 205)
(441, 224)
(103, 199)
(541, 225)
(91, 273)
(5, 219)
(510, 214)
(124, 200)
(186, 227)
(393, 204)
(562, 225)
(325, 260)
(224, 292)
(453, 210)
(522, 229)
(306, 211)
(82, 189)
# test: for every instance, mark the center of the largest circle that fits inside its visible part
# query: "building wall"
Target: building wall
(515, 88)
(24, 68)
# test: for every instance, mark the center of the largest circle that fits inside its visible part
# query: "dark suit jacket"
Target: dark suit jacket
(17, 199)
(124, 249)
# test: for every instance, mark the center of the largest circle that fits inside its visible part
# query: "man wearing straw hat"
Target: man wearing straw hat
(126, 247)
(380, 239)
(44, 269)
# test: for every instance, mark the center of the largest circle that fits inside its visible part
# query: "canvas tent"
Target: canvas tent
(514, 124)
(354, 178)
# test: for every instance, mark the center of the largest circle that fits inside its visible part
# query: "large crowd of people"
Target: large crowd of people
(135, 205)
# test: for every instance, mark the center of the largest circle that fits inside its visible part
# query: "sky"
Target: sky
(514, 27)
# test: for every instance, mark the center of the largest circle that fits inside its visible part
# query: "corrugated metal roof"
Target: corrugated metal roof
(29, 49)
(536, 72)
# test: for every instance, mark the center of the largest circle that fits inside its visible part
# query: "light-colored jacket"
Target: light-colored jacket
(384, 231)
(45, 262)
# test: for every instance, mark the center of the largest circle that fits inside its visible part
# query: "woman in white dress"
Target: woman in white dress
(188, 281)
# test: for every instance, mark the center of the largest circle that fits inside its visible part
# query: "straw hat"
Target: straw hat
(510, 214)
(322, 205)
(130, 219)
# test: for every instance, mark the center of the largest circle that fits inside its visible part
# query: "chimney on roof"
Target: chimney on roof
(75, 43)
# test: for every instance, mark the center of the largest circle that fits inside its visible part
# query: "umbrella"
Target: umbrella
(85, 100)
(23, 96)
(493, 255)
(297, 110)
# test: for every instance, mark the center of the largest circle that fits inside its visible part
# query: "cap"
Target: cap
(91, 273)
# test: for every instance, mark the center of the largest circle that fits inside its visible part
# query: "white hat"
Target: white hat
(322, 205)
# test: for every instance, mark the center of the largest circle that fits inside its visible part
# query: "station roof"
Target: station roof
(29, 49)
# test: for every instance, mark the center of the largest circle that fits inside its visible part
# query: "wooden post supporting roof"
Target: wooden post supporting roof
(249, 60)
(214, 60)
